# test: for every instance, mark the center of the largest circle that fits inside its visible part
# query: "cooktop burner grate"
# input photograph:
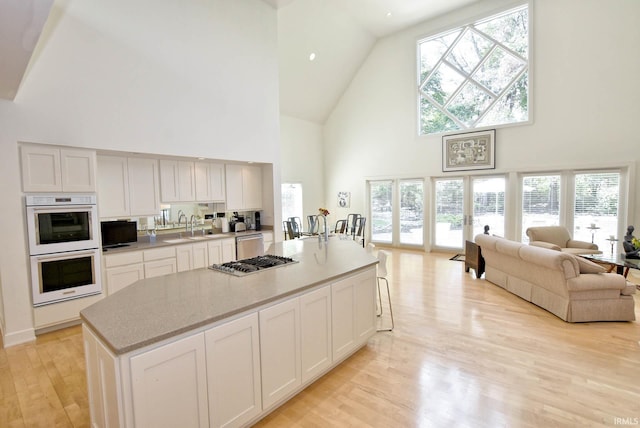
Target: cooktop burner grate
(252, 265)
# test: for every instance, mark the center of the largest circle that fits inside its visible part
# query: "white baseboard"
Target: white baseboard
(19, 337)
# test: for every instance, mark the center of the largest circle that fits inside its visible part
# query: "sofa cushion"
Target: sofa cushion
(587, 266)
(545, 245)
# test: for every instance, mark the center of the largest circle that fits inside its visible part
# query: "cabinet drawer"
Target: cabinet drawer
(159, 253)
(121, 259)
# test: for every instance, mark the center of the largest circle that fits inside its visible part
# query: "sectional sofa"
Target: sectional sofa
(568, 286)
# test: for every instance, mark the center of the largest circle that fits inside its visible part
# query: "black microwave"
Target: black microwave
(118, 233)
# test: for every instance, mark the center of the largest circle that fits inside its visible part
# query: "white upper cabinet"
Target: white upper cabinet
(244, 187)
(177, 181)
(209, 178)
(52, 169)
(127, 186)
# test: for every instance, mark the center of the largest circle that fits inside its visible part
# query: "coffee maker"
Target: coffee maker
(257, 220)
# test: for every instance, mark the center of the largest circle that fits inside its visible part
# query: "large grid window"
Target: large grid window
(540, 202)
(597, 200)
(476, 75)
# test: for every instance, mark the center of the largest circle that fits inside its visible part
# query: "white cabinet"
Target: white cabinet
(353, 312)
(267, 238)
(193, 256)
(144, 186)
(104, 387)
(177, 181)
(209, 182)
(244, 187)
(315, 326)
(120, 277)
(221, 250)
(127, 186)
(233, 372)
(52, 169)
(169, 385)
(280, 351)
(159, 261)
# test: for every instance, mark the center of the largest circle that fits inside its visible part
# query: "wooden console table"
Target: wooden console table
(473, 258)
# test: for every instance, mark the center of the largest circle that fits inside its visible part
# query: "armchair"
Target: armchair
(558, 238)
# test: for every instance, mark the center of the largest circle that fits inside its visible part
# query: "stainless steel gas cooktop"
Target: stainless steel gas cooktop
(253, 265)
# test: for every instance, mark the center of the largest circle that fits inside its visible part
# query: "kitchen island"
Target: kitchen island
(205, 348)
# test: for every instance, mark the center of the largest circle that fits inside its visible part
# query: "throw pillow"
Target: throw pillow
(587, 266)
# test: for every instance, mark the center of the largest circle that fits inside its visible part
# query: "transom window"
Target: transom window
(476, 75)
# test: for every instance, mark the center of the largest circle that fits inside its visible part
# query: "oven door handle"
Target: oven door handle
(67, 255)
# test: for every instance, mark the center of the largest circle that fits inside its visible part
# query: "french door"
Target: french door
(465, 206)
(397, 211)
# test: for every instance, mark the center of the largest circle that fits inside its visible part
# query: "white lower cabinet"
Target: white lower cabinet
(315, 327)
(169, 385)
(233, 372)
(353, 312)
(189, 257)
(280, 351)
(221, 250)
(159, 261)
(120, 277)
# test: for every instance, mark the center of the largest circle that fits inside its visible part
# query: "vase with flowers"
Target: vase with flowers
(323, 213)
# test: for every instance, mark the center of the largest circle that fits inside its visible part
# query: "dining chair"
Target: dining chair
(382, 275)
(341, 226)
(296, 226)
(358, 229)
(313, 225)
(290, 233)
(351, 223)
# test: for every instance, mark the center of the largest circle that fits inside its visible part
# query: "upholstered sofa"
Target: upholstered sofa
(558, 238)
(557, 281)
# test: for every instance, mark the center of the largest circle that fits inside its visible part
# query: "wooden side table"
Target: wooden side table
(473, 258)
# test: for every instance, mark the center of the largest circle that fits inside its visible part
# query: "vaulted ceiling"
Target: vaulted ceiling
(340, 33)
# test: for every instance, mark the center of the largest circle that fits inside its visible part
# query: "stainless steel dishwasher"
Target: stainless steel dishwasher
(248, 246)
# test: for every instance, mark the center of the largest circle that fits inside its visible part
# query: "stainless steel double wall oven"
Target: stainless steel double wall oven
(64, 246)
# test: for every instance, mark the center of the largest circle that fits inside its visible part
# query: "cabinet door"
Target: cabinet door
(187, 185)
(143, 187)
(252, 187)
(233, 372)
(228, 250)
(233, 184)
(365, 309)
(280, 351)
(199, 255)
(113, 186)
(342, 323)
(120, 277)
(315, 325)
(214, 249)
(169, 385)
(41, 170)
(169, 181)
(209, 181)
(78, 170)
(184, 258)
(217, 182)
(160, 267)
(353, 316)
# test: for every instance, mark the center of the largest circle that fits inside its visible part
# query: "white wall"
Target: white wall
(189, 78)
(585, 99)
(303, 161)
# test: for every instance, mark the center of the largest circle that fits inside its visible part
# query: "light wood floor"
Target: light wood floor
(464, 353)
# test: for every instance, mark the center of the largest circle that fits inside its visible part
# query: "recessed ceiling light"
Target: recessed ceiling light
(389, 14)
(312, 56)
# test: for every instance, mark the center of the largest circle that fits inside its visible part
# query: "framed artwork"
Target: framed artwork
(468, 151)
(344, 199)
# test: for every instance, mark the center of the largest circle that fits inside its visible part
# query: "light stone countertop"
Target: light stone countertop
(155, 309)
(164, 240)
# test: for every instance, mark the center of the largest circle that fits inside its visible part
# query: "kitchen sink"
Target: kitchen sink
(177, 240)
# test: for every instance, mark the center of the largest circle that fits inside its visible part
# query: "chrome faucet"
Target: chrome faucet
(180, 215)
(192, 221)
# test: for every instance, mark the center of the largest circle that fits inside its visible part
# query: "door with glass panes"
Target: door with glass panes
(397, 211)
(464, 207)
